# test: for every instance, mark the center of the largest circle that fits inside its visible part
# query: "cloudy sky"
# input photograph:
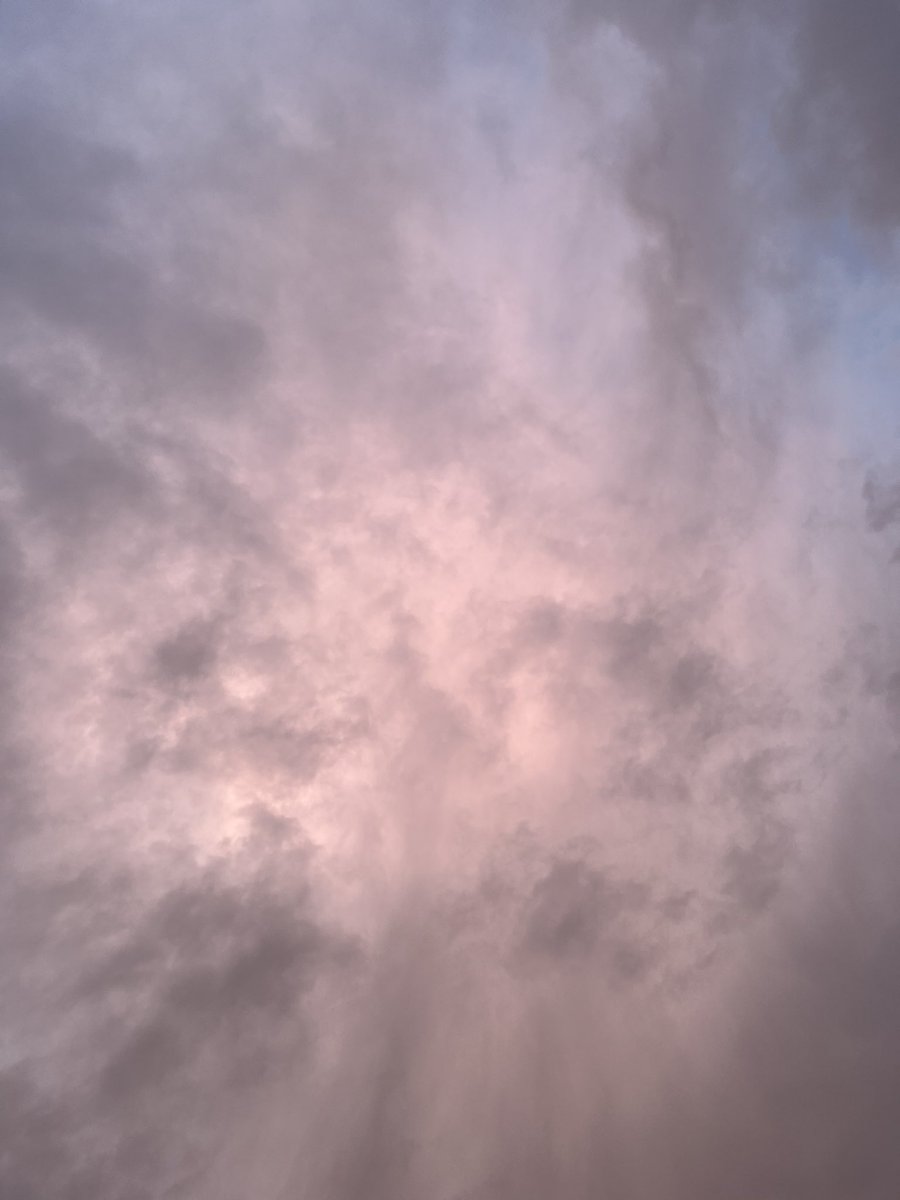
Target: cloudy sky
(449, 575)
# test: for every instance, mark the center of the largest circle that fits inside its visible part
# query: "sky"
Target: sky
(449, 563)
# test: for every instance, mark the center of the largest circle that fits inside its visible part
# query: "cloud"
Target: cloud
(61, 262)
(448, 716)
(171, 1008)
(847, 92)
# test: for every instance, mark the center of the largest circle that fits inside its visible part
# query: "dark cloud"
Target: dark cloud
(570, 908)
(187, 1004)
(69, 477)
(882, 503)
(848, 90)
(189, 654)
(64, 258)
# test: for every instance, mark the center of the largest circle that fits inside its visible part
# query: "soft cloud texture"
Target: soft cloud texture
(448, 551)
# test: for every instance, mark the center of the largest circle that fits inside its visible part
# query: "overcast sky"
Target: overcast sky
(449, 577)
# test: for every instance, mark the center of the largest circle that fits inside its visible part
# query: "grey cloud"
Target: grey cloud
(838, 100)
(63, 256)
(12, 576)
(566, 911)
(226, 968)
(98, 292)
(69, 476)
(753, 874)
(571, 907)
(882, 503)
(682, 720)
(53, 181)
(188, 654)
(846, 97)
(647, 648)
(38, 1159)
(804, 1070)
(192, 1003)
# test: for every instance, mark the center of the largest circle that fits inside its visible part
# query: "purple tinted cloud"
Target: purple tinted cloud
(449, 705)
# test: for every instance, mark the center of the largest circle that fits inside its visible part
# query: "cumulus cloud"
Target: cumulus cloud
(448, 538)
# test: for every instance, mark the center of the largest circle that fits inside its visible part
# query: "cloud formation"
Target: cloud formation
(448, 541)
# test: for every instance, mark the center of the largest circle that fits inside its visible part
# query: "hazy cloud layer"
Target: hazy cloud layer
(449, 535)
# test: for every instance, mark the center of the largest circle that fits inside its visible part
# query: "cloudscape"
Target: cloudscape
(449, 577)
